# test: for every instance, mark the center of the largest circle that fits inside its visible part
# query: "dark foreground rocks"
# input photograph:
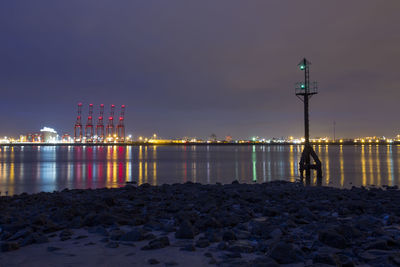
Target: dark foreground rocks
(277, 222)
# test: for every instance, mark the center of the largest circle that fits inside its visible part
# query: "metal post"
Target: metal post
(304, 92)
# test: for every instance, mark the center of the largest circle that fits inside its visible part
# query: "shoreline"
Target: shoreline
(193, 224)
(395, 143)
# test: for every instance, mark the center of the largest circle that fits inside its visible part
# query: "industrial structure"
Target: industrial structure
(100, 125)
(304, 92)
(110, 125)
(112, 134)
(89, 131)
(121, 126)
(78, 125)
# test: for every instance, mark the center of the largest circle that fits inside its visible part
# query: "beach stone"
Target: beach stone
(325, 259)
(228, 235)
(27, 241)
(39, 238)
(171, 263)
(286, 253)
(264, 262)
(380, 244)
(276, 234)
(116, 234)
(51, 249)
(133, 235)
(149, 236)
(212, 261)
(233, 255)
(395, 258)
(65, 234)
(81, 237)
(202, 243)
(112, 245)
(332, 239)
(158, 243)
(242, 246)
(240, 234)
(213, 236)
(188, 247)
(185, 231)
(99, 230)
(9, 246)
(20, 234)
(271, 212)
(152, 261)
(208, 255)
(222, 246)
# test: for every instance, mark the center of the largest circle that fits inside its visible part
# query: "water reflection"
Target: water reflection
(34, 169)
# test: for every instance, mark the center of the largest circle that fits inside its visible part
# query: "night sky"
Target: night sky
(193, 68)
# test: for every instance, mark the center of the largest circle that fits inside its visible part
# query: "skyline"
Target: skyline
(193, 69)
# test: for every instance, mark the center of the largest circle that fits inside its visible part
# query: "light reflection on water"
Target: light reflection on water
(35, 169)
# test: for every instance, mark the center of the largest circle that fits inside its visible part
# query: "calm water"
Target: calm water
(35, 169)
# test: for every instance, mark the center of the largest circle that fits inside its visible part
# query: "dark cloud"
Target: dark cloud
(198, 67)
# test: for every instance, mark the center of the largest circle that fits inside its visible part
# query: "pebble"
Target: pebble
(185, 231)
(152, 261)
(277, 222)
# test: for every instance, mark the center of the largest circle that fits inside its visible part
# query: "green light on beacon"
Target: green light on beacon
(303, 86)
(302, 67)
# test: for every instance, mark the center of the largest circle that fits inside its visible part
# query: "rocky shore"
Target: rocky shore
(267, 224)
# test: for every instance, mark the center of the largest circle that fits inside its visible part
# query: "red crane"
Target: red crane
(110, 125)
(78, 125)
(121, 125)
(100, 125)
(89, 131)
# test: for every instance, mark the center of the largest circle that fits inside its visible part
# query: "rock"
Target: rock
(65, 235)
(380, 244)
(213, 236)
(202, 243)
(158, 243)
(264, 262)
(171, 263)
(116, 234)
(276, 234)
(222, 246)
(208, 255)
(9, 246)
(325, 259)
(112, 245)
(228, 235)
(152, 261)
(189, 247)
(271, 212)
(51, 249)
(286, 253)
(395, 258)
(81, 237)
(332, 239)
(133, 235)
(233, 255)
(149, 236)
(185, 231)
(212, 261)
(242, 246)
(20, 234)
(99, 230)
(242, 234)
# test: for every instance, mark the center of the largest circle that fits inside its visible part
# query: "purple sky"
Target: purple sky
(193, 68)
